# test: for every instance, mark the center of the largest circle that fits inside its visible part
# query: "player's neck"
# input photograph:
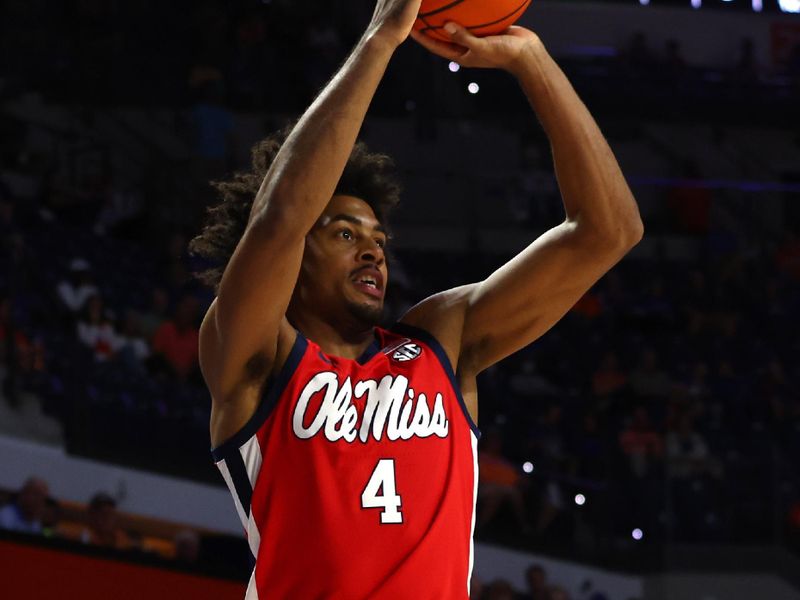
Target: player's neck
(342, 341)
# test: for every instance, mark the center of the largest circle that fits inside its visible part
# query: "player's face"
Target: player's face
(344, 266)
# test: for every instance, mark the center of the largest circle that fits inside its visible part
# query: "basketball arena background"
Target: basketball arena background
(645, 448)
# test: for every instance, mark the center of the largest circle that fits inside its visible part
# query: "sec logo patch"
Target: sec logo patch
(407, 352)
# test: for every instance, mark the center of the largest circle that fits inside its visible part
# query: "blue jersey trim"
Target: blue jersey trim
(371, 351)
(241, 482)
(272, 392)
(433, 344)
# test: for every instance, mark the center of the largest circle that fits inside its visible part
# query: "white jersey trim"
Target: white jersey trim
(252, 592)
(226, 475)
(474, 443)
(251, 455)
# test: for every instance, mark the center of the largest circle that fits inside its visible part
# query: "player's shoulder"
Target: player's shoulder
(449, 304)
(442, 316)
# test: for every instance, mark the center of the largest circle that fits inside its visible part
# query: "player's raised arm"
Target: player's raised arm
(527, 296)
(240, 334)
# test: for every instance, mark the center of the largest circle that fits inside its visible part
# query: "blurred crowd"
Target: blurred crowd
(34, 511)
(175, 53)
(538, 586)
(233, 52)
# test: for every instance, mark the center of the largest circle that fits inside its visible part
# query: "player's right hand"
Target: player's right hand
(507, 51)
(394, 19)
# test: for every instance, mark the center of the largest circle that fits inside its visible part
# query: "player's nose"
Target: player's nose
(372, 252)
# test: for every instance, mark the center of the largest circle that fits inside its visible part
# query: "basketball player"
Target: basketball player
(350, 450)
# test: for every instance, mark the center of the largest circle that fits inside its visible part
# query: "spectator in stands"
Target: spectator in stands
(14, 255)
(152, 318)
(589, 592)
(687, 451)
(122, 208)
(476, 588)
(51, 517)
(695, 303)
(697, 386)
(103, 528)
(131, 347)
(552, 505)
(187, 546)
(609, 378)
(176, 340)
(499, 589)
(648, 379)
(549, 447)
(96, 331)
(643, 448)
(499, 484)
(27, 511)
(536, 582)
(77, 288)
(21, 358)
(528, 382)
(641, 444)
(175, 272)
(557, 592)
(689, 201)
(548, 436)
(691, 469)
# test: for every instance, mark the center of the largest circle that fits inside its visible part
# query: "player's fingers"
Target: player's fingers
(443, 49)
(462, 36)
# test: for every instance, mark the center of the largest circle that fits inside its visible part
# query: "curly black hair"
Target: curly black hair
(367, 175)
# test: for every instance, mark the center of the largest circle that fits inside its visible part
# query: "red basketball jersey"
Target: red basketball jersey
(356, 479)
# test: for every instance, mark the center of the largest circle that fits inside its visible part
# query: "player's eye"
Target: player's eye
(346, 234)
(380, 242)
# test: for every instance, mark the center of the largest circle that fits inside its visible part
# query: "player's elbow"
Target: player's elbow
(625, 234)
(616, 237)
(635, 233)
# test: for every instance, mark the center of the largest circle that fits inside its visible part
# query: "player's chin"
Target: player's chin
(369, 313)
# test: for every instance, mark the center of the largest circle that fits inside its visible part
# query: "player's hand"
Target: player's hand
(393, 19)
(506, 51)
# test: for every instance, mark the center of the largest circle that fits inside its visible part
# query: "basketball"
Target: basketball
(481, 17)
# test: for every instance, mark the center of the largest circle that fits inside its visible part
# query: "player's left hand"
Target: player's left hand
(505, 51)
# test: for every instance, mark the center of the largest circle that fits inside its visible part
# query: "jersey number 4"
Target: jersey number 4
(381, 492)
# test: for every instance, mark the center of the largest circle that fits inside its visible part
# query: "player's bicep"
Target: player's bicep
(241, 331)
(523, 299)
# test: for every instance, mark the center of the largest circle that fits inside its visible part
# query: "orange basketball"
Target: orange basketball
(481, 17)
